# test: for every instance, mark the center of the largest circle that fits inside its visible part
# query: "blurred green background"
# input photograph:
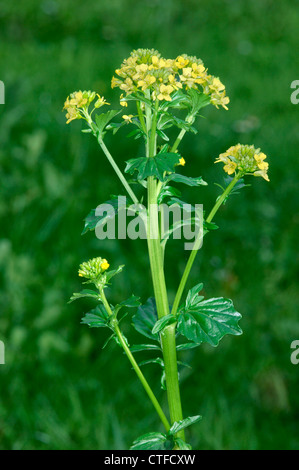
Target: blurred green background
(59, 389)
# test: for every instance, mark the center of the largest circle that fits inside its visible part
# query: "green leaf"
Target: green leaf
(168, 120)
(209, 320)
(85, 293)
(115, 126)
(188, 180)
(163, 322)
(151, 441)
(155, 166)
(155, 360)
(116, 202)
(184, 423)
(209, 226)
(112, 272)
(167, 191)
(98, 317)
(185, 346)
(182, 445)
(145, 347)
(103, 119)
(131, 302)
(197, 100)
(192, 297)
(145, 319)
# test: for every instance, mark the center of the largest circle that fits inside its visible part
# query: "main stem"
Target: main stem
(135, 366)
(156, 263)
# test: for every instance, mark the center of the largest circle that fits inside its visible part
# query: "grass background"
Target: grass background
(59, 389)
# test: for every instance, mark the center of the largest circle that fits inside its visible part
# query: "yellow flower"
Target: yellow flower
(78, 100)
(260, 161)
(127, 117)
(262, 173)
(104, 265)
(198, 69)
(72, 113)
(173, 82)
(123, 102)
(182, 161)
(165, 91)
(187, 77)
(100, 102)
(216, 85)
(146, 82)
(230, 167)
(127, 85)
(181, 62)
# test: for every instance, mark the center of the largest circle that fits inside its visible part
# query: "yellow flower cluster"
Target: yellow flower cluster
(77, 104)
(245, 159)
(93, 268)
(145, 69)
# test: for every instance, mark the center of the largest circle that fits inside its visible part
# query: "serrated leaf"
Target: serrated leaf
(150, 441)
(163, 322)
(154, 166)
(188, 180)
(209, 320)
(182, 424)
(84, 293)
(98, 317)
(145, 319)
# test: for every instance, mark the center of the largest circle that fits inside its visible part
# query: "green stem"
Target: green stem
(141, 117)
(134, 364)
(178, 140)
(118, 172)
(156, 263)
(197, 245)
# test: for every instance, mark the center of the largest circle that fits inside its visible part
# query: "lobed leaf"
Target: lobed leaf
(208, 320)
(155, 166)
(98, 317)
